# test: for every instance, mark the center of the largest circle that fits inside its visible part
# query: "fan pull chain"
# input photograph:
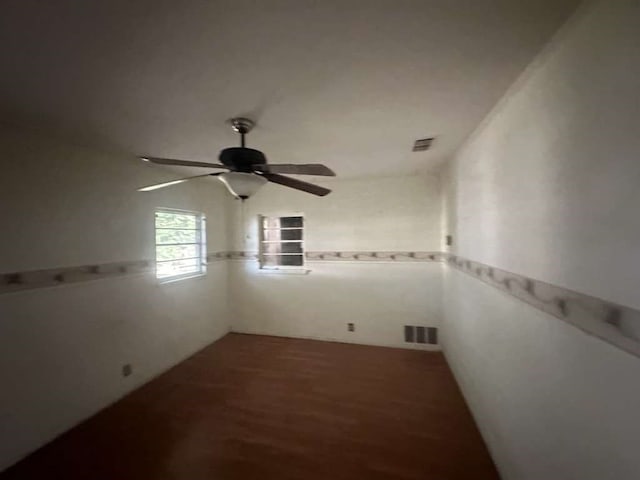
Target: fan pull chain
(243, 226)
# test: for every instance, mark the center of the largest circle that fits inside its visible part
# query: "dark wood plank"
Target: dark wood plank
(256, 407)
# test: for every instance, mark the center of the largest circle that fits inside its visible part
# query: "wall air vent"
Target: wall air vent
(418, 334)
(422, 145)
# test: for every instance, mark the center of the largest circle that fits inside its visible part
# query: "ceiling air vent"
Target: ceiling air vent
(422, 145)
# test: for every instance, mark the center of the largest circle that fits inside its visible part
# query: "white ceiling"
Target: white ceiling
(348, 83)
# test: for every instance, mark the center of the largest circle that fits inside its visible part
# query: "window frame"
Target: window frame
(201, 223)
(262, 241)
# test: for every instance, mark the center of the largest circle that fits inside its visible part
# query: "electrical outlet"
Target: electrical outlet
(351, 327)
(449, 240)
(127, 370)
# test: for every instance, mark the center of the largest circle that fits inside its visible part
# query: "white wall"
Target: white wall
(381, 214)
(63, 347)
(548, 188)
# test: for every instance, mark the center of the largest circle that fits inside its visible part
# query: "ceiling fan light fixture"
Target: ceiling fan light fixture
(242, 185)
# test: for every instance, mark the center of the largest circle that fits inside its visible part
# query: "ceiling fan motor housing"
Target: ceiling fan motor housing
(242, 159)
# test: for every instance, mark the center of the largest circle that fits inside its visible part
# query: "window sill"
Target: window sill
(166, 281)
(284, 271)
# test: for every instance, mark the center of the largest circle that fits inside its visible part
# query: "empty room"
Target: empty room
(293, 239)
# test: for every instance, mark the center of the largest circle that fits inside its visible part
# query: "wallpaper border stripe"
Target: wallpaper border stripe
(53, 277)
(380, 256)
(617, 325)
(32, 279)
(352, 256)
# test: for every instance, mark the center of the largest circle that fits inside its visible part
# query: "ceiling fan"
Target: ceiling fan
(247, 169)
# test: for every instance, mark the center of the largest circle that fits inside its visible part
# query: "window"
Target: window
(281, 243)
(180, 244)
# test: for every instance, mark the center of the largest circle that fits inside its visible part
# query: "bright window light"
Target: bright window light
(181, 247)
(281, 242)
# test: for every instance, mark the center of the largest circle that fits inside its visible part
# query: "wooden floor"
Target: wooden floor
(257, 408)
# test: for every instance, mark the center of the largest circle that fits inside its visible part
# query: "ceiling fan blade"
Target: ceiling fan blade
(293, 169)
(174, 182)
(297, 184)
(181, 163)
